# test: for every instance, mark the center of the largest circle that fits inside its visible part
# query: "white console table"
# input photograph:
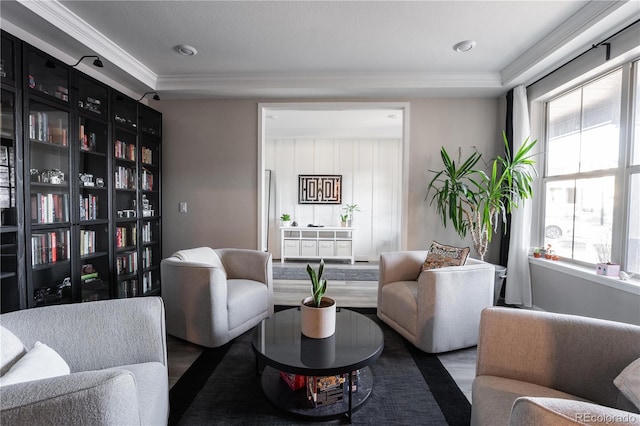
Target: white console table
(325, 242)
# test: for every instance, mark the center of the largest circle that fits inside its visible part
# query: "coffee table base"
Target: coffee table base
(296, 402)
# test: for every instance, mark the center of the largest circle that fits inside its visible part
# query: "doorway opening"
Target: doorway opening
(366, 144)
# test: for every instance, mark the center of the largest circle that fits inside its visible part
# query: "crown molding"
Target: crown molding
(330, 81)
(74, 26)
(556, 45)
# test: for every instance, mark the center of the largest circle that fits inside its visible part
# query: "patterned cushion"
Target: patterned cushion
(441, 256)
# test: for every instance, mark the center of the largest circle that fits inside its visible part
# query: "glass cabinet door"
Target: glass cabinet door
(49, 240)
(149, 130)
(8, 52)
(10, 245)
(94, 183)
(125, 147)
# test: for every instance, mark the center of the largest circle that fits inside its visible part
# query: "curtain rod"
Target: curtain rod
(593, 46)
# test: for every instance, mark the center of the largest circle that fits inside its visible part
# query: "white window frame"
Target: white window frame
(622, 173)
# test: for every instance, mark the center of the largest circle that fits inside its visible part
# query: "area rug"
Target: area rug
(410, 387)
(333, 272)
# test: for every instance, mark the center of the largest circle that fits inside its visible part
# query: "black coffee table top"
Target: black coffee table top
(278, 342)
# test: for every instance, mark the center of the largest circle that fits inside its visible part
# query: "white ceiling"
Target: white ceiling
(318, 49)
(333, 123)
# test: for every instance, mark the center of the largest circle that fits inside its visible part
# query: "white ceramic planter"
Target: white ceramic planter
(318, 323)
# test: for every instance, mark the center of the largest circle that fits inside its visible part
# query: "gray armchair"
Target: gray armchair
(437, 310)
(542, 368)
(117, 354)
(214, 295)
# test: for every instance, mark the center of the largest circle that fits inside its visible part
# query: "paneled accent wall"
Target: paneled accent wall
(371, 177)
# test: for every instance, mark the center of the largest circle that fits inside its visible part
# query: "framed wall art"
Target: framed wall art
(319, 189)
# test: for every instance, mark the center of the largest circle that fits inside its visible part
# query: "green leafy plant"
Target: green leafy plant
(318, 285)
(344, 217)
(473, 201)
(285, 217)
(350, 208)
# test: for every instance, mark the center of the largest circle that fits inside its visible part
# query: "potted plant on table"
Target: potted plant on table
(349, 209)
(473, 201)
(285, 220)
(318, 313)
(343, 220)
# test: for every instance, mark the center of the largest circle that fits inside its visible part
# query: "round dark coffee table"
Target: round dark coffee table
(280, 346)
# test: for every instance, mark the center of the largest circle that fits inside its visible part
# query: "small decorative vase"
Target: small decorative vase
(285, 223)
(318, 323)
(343, 224)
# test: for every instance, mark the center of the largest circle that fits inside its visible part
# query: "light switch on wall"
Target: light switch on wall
(182, 207)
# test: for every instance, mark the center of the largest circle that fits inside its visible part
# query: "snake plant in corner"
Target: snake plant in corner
(473, 200)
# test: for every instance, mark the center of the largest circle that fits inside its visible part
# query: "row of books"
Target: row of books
(147, 282)
(125, 151)
(147, 155)
(49, 208)
(126, 236)
(87, 242)
(50, 128)
(125, 178)
(130, 288)
(147, 257)
(147, 180)
(127, 263)
(88, 142)
(89, 207)
(49, 247)
(147, 233)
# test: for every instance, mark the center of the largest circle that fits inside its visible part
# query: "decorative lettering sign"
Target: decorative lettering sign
(319, 189)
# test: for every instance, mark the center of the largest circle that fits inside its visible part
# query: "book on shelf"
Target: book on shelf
(125, 151)
(147, 180)
(49, 247)
(89, 207)
(125, 178)
(43, 128)
(87, 242)
(147, 155)
(127, 263)
(49, 208)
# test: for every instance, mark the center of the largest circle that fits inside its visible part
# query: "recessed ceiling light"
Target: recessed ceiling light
(392, 116)
(186, 50)
(464, 46)
(272, 117)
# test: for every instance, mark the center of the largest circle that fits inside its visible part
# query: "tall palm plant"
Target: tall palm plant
(473, 201)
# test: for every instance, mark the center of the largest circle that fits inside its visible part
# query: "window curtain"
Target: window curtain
(518, 285)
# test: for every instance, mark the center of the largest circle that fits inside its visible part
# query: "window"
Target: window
(592, 171)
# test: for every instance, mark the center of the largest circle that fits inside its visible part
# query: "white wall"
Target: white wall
(557, 291)
(371, 172)
(210, 161)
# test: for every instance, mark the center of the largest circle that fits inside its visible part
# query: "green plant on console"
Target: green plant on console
(349, 209)
(344, 217)
(473, 200)
(318, 285)
(285, 217)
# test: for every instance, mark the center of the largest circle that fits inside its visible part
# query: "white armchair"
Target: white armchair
(437, 310)
(214, 295)
(116, 351)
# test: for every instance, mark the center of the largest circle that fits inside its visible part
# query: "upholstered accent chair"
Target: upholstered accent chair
(214, 295)
(543, 368)
(437, 310)
(115, 351)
